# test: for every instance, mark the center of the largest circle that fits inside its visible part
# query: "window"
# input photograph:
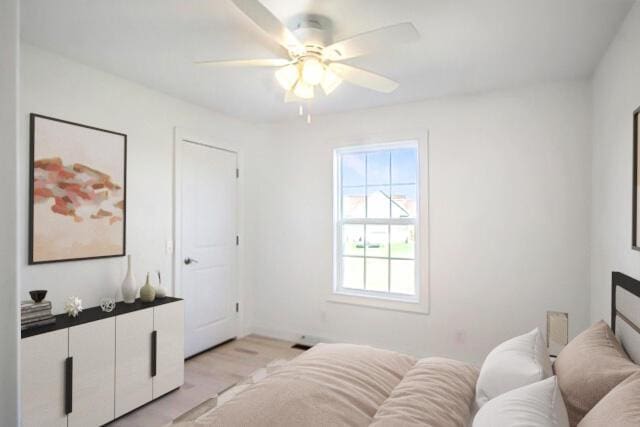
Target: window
(376, 199)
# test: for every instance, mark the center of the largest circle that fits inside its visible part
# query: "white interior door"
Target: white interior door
(208, 245)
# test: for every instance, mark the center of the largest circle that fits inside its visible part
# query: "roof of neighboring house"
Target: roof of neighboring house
(357, 203)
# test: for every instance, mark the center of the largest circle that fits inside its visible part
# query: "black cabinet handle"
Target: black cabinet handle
(154, 352)
(68, 385)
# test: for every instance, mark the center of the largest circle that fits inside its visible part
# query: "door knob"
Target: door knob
(190, 260)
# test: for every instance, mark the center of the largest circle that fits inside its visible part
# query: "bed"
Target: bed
(353, 385)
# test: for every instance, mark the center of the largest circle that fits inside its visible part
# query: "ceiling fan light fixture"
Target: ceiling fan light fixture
(311, 61)
(312, 71)
(303, 90)
(287, 76)
(330, 81)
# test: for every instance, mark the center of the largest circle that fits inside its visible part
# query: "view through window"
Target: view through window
(377, 196)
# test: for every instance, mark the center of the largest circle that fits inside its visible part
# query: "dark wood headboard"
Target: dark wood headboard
(628, 283)
(625, 313)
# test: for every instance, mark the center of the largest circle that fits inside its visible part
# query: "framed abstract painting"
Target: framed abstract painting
(78, 183)
(635, 233)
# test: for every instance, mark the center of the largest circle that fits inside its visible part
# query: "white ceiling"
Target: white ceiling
(466, 45)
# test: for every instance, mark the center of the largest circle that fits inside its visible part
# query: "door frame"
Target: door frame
(181, 136)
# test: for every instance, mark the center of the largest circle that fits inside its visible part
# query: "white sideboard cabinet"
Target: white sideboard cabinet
(97, 367)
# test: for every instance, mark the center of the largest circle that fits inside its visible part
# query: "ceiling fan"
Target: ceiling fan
(311, 58)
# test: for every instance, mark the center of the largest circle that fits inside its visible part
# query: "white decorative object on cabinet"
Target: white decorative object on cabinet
(129, 285)
(88, 370)
(73, 306)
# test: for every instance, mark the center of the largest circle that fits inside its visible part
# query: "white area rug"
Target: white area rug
(226, 395)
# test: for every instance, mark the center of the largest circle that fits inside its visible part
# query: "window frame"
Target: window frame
(381, 299)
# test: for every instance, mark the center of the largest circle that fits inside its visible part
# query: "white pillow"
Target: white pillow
(539, 404)
(513, 364)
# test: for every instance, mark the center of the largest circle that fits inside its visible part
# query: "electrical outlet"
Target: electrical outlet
(169, 247)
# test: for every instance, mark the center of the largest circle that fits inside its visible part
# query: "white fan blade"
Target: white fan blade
(289, 96)
(370, 41)
(366, 79)
(268, 22)
(275, 62)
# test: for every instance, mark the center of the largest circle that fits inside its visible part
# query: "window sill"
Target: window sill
(379, 303)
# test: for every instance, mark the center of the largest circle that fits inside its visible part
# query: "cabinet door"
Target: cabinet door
(134, 386)
(43, 379)
(92, 347)
(169, 326)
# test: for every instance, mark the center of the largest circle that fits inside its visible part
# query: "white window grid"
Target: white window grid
(339, 221)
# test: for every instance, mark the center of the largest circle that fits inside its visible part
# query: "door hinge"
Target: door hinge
(237, 173)
(237, 240)
(237, 307)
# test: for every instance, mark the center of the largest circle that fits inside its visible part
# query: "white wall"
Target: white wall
(616, 94)
(509, 203)
(54, 86)
(9, 65)
(509, 213)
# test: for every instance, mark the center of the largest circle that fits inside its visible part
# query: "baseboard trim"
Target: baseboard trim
(295, 337)
(277, 334)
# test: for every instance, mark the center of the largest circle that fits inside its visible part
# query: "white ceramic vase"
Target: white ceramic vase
(129, 286)
(161, 292)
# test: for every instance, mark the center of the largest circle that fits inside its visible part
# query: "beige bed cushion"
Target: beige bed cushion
(435, 392)
(619, 408)
(589, 367)
(329, 385)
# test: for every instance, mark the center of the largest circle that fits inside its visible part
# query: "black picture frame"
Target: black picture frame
(635, 241)
(32, 145)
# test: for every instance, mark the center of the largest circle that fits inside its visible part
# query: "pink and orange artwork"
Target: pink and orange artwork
(78, 195)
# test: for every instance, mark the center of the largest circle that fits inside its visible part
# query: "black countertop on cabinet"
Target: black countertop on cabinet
(92, 314)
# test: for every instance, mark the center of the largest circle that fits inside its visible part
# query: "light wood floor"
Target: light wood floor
(208, 374)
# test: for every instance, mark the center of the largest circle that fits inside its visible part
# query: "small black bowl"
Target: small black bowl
(38, 295)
